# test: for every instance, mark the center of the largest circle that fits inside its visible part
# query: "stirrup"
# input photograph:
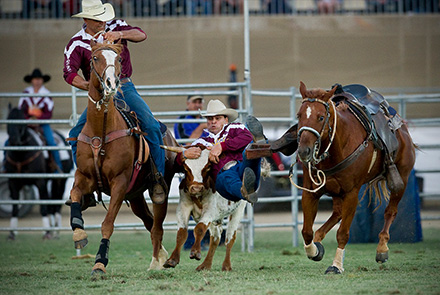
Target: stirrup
(394, 180)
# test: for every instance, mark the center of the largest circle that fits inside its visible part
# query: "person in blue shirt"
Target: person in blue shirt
(191, 130)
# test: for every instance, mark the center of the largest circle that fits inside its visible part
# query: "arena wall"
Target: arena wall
(378, 51)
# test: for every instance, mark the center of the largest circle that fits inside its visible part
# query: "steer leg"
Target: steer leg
(199, 233)
(231, 234)
(215, 231)
(183, 213)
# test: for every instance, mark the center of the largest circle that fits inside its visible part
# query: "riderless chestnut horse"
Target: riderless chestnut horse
(346, 137)
(112, 160)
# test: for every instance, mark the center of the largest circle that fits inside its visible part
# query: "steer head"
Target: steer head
(198, 180)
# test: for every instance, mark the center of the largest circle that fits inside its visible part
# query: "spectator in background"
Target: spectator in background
(233, 99)
(277, 7)
(191, 130)
(228, 6)
(327, 6)
(40, 107)
(42, 8)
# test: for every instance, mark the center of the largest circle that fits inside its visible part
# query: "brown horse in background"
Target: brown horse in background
(338, 157)
(109, 156)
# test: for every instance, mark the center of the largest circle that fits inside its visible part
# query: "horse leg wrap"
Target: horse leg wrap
(339, 259)
(102, 255)
(311, 250)
(76, 220)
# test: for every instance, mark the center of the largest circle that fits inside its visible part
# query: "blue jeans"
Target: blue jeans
(50, 141)
(147, 121)
(229, 182)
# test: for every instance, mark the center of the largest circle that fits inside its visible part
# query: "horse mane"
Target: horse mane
(115, 47)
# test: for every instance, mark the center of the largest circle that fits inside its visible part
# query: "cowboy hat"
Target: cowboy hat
(94, 9)
(216, 107)
(36, 73)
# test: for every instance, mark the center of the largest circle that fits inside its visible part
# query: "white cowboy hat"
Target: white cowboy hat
(216, 107)
(94, 9)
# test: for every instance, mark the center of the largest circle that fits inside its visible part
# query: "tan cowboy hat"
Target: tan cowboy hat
(216, 107)
(36, 73)
(94, 9)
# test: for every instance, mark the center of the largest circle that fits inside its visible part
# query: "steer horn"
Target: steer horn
(176, 149)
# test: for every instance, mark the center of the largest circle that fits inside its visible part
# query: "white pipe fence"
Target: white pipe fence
(245, 107)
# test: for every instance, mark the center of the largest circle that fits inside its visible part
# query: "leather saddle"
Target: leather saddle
(376, 115)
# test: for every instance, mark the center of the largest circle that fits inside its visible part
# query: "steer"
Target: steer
(208, 208)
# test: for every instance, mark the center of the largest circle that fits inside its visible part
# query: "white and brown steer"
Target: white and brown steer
(208, 208)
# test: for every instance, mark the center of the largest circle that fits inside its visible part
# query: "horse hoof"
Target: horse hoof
(381, 257)
(98, 274)
(195, 255)
(333, 270)
(202, 267)
(170, 263)
(81, 243)
(321, 252)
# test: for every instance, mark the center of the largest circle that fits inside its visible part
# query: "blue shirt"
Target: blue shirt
(184, 130)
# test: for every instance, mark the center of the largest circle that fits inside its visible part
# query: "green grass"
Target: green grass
(30, 265)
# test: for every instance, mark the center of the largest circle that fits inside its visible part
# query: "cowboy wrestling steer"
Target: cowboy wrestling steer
(208, 208)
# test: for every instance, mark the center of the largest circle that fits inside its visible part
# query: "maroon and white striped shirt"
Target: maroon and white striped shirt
(77, 53)
(43, 102)
(234, 137)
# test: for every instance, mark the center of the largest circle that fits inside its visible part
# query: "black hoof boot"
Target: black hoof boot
(333, 270)
(321, 252)
(381, 257)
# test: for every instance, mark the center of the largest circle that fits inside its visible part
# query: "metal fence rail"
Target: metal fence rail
(245, 103)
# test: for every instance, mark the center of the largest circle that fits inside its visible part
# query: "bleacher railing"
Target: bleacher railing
(56, 9)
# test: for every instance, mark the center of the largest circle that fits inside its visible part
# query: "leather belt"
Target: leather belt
(125, 80)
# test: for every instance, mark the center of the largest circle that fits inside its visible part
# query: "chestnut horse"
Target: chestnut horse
(108, 156)
(338, 157)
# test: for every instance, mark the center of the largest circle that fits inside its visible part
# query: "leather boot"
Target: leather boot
(158, 190)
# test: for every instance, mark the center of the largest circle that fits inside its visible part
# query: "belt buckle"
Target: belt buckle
(229, 165)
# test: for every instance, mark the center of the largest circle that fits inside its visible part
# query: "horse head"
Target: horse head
(16, 132)
(313, 117)
(106, 67)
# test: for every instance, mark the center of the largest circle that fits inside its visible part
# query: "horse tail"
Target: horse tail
(377, 189)
(265, 168)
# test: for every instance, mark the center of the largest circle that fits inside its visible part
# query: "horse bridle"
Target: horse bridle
(317, 145)
(104, 99)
